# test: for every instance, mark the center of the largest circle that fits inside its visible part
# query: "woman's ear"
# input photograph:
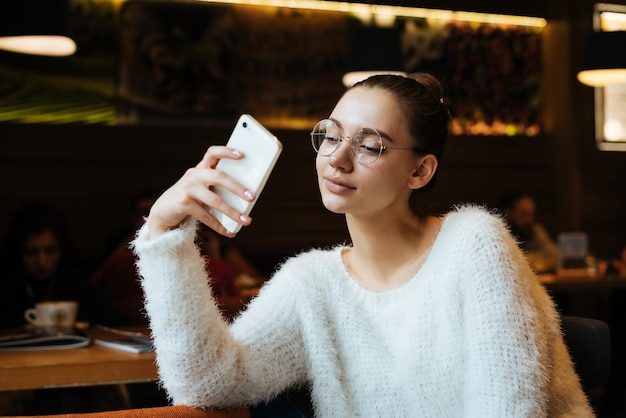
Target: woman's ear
(424, 171)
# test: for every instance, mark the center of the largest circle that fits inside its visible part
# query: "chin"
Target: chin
(333, 206)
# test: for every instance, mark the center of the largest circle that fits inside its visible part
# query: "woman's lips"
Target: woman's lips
(337, 186)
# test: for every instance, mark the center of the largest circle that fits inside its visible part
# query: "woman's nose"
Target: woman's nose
(342, 157)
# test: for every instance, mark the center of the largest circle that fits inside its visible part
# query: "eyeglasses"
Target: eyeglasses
(366, 144)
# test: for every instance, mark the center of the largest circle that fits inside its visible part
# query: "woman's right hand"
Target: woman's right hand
(193, 195)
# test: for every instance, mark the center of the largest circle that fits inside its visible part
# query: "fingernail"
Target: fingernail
(236, 153)
(248, 194)
(244, 218)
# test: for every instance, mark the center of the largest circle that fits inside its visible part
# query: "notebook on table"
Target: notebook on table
(42, 338)
(124, 340)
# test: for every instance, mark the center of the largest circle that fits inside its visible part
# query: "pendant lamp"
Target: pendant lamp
(604, 60)
(37, 27)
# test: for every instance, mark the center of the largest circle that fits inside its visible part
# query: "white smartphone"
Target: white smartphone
(261, 150)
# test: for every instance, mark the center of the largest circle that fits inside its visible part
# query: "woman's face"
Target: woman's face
(41, 254)
(348, 186)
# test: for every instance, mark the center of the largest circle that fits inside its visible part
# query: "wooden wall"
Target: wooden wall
(91, 173)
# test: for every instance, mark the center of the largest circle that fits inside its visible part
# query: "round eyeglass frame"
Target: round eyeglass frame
(355, 144)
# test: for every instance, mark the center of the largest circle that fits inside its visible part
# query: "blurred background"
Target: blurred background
(153, 83)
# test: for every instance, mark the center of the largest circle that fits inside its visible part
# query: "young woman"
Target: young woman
(419, 316)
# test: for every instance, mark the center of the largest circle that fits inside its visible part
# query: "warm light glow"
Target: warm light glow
(384, 20)
(612, 21)
(353, 77)
(614, 130)
(602, 77)
(361, 9)
(50, 45)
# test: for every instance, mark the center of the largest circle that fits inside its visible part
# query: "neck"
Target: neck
(386, 252)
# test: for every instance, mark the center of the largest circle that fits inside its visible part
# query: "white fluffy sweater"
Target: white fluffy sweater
(472, 334)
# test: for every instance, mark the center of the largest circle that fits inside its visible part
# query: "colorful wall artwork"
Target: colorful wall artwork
(155, 62)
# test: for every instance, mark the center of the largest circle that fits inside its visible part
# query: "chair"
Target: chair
(178, 411)
(589, 343)
(276, 409)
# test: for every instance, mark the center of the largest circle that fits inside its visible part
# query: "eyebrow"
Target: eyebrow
(383, 134)
(336, 121)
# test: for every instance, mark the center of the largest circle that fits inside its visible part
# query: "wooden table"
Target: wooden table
(87, 366)
(580, 282)
(583, 294)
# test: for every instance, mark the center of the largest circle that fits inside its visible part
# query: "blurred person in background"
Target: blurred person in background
(117, 297)
(519, 210)
(38, 263)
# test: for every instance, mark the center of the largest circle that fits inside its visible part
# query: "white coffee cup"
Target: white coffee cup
(53, 314)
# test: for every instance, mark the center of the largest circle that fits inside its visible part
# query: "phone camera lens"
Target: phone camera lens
(245, 124)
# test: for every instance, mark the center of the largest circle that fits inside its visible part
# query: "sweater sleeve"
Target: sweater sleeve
(201, 360)
(507, 335)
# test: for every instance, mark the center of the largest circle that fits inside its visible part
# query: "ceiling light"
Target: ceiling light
(37, 27)
(604, 61)
(50, 45)
(400, 11)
